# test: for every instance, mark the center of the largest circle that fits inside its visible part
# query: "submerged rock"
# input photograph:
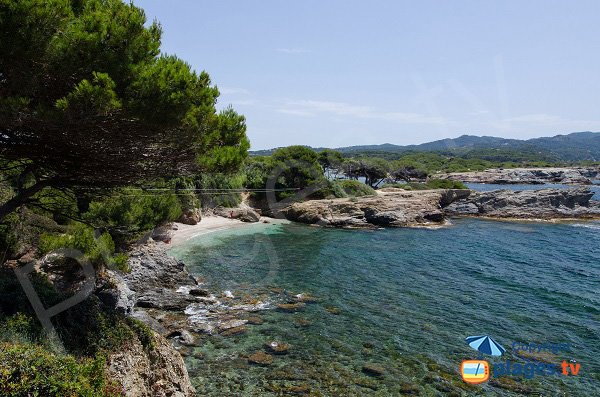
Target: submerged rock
(291, 307)
(373, 369)
(260, 358)
(234, 331)
(333, 310)
(276, 347)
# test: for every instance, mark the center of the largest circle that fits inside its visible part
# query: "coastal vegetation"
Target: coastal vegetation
(103, 138)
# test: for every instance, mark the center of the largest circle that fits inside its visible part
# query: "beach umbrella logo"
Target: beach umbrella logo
(486, 345)
(475, 371)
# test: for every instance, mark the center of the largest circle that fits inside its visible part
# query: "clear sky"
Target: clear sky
(345, 72)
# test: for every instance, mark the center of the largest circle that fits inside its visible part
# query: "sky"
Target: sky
(333, 73)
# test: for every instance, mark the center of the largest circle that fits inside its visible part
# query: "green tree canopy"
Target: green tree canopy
(88, 101)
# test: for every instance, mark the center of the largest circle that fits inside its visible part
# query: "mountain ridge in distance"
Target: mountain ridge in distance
(570, 147)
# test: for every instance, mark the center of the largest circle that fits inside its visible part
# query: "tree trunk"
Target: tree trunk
(22, 197)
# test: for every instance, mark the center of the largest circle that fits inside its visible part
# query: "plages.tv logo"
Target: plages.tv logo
(480, 371)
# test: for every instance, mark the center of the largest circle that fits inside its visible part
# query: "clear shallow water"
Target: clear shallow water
(407, 298)
(485, 187)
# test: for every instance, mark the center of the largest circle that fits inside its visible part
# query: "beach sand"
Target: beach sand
(211, 224)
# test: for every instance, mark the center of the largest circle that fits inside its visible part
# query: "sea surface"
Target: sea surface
(403, 300)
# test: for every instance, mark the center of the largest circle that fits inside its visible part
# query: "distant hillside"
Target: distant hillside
(572, 147)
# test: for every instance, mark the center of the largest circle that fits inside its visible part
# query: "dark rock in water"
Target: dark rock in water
(305, 298)
(199, 292)
(302, 322)
(529, 204)
(225, 325)
(255, 320)
(298, 389)
(261, 358)
(373, 369)
(234, 331)
(291, 307)
(276, 347)
(333, 310)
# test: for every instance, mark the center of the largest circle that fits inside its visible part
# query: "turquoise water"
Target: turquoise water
(404, 299)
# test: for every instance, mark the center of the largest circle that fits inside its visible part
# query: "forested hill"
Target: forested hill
(571, 147)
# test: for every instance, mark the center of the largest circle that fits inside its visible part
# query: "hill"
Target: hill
(576, 146)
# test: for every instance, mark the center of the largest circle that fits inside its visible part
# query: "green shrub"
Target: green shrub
(82, 238)
(445, 184)
(353, 188)
(134, 210)
(30, 370)
(214, 196)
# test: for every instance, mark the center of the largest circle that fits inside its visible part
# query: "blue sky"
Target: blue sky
(344, 72)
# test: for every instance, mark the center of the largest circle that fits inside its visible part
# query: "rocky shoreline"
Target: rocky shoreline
(527, 176)
(160, 291)
(398, 208)
(543, 204)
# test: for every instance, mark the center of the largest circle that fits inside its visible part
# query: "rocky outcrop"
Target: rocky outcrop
(190, 216)
(575, 176)
(528, 204)
(243, 213)
(390, 207)
(155, 370)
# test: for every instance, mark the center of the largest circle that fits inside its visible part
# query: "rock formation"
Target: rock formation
(150, 371)
(538, 176)
(390, 207)
(528, 204)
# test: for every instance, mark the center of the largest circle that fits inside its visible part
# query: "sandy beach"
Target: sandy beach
(211, 224)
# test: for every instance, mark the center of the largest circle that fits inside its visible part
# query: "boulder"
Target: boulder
(190, 216)
(243, 213)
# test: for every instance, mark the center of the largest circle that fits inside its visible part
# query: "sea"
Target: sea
(403, 301)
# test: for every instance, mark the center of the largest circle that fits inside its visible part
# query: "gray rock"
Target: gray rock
(575, 175)
(243, 213)
(390, 207)
(529, 204)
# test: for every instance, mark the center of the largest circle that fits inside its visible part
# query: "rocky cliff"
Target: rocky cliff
(575, 176)
(156, 370)
(390, 207)
(528, 204)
